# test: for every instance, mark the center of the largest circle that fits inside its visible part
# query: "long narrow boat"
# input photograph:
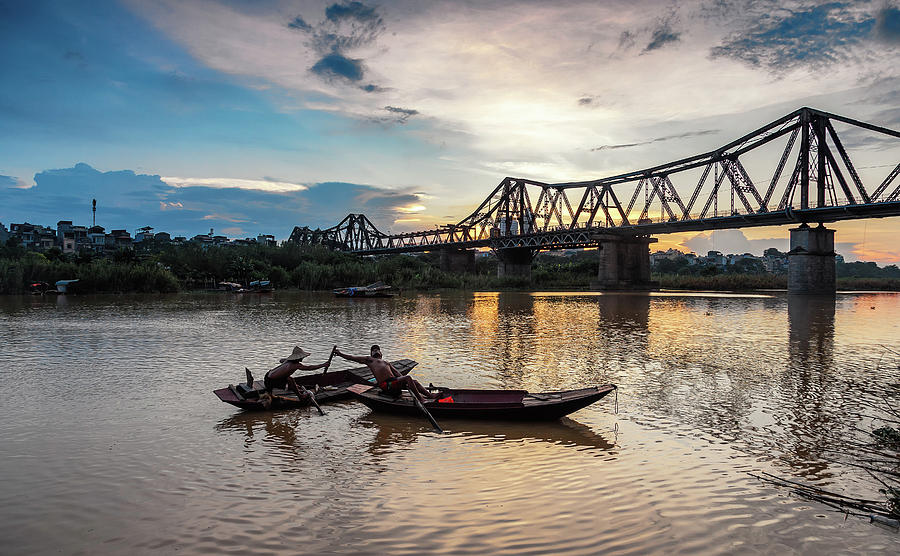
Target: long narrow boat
(378, 289)
(327, 387)
(514, 405)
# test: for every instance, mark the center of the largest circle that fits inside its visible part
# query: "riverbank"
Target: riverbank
(750, 282)
(172, 268)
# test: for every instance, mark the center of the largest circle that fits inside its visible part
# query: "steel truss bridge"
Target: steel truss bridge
(813, 180)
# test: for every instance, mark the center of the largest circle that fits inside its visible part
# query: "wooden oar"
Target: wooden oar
(425, 411)
(330, 357)
(297, 389)
(312, 398)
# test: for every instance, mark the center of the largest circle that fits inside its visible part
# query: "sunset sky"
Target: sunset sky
(253, 117)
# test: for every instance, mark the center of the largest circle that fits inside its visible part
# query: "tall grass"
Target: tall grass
(100, 275)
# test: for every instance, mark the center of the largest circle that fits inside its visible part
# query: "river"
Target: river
(113, 443)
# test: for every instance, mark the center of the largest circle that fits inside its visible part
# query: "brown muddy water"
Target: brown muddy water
(113, 443)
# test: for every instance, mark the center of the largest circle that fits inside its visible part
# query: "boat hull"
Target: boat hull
(494, 405)
(332, 385)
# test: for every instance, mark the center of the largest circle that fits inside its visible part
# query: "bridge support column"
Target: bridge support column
(458, 260)
(624, 263)
(515, 262)
(811, 260)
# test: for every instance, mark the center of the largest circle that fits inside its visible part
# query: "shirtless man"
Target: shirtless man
(388, 378)
(280, 376)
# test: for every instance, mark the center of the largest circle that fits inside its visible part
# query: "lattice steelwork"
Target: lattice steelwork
(820, 184)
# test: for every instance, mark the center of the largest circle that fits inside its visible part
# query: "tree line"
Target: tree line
(171, 267)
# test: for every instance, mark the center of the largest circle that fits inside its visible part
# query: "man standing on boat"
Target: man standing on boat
(387, 377)
(280, 376)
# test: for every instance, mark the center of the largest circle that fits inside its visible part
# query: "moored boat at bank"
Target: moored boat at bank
(377, 289)
(515, 405)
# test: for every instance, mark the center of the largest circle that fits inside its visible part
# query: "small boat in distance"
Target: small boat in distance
(377, 289)
(40, 288)
(62, 286)
(228, 287)
(261, 286)
(495, 405)
(327, 387)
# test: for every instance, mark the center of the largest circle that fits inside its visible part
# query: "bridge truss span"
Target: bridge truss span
(794, 169)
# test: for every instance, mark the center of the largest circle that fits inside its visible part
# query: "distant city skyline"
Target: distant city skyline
(251, 118)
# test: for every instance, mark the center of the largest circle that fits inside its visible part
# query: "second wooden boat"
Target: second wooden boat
(515, 405)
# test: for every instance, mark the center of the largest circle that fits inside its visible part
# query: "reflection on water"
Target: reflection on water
(811, 321)
(114, 442)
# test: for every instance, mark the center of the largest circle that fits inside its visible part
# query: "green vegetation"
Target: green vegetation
(750, 274)
(721, 282)
(169, 267)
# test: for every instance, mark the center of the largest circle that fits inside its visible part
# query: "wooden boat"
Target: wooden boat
(515, 405)
(261, 286)
(327, 387)
(378, 289)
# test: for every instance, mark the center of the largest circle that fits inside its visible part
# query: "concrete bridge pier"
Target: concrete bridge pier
(811, 261)
(514, 262)
(624, 263)
(458, 260)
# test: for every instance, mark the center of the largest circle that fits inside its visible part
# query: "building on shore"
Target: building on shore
(70, 238)
(33, 237)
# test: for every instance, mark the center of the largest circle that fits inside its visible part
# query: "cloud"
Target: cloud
(12, 182)
(411, 208)
(656, 140)
(861, 253)
(401, 114)
(371, 88)
(170, 205)
(806, 36)
(337, 65)
(626, 40)
(347, 26)
(224, 218)
(353, 11)
(663, 33)
(887, 25)
(733, 241)
(188, 206)
(573, 77)
(299, 24)
(225, 183)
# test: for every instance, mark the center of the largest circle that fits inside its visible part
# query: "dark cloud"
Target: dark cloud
(371, 88)
(338, 65)
(347, 26)
(656, 140)
(663, 33)
(300, 24)
(128, 200)
(887, 25)
(784, 39)
(352, 11)
(586, 101)
(400, 115)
